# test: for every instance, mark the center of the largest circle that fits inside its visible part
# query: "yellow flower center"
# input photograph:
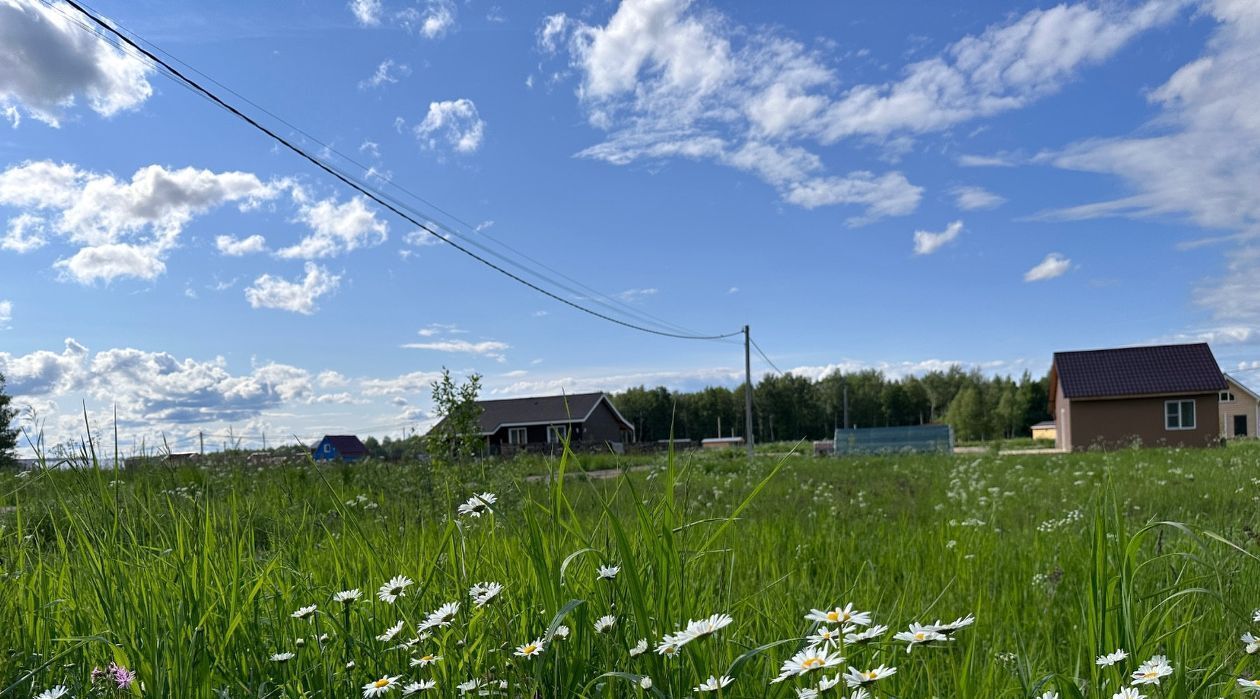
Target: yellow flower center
(383, 682)
(811, 662)
(427, 659)
(871, 674)
(833, 616)
(920, 636)
(529, 649)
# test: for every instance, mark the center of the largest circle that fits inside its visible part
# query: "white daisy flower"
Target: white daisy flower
(562, 631)
(304, 612)
(416, 687)
(1252, 686)
(812, 658)
(483, 592)
(1128, 693)
(703, 627)
(54, 693)
(381, 686)
(859, 678)
(395, 588)
(1152, 670)
(826, 683)
(350, 665)
(840, 615)
(608, 572)
(864, 636)
(713, 684)
(605, 623)
(667, 648)
(806, 693)
(284, 657)
(645, 682)
(347, 596)
(1255, 619)
(390, 633)
(950, 628)
(858, 693)
(425, 660)
(639, 648)
(920, 635)
(529, 650)
(477, 505)
(1049, 694)
(1253, 645)
(469, 686)
(1111, 658)
(442, 616)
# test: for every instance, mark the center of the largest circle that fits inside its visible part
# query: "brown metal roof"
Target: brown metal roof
(1134, 371)
(539, 410)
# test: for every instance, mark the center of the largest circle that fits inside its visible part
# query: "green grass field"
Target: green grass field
(197, 579)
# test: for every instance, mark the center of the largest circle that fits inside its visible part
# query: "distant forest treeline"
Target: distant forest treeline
(789, 407)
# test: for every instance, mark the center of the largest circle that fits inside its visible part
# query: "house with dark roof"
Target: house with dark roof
(541, 423)
(1156, 395)
(339, 447)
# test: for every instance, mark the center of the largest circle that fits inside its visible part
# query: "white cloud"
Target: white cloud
(435, 329)
(366, 12)
(632, 295)
(926, 242)
(1200, 158)
(1232, 296)
(299, 297)
(238, 247)
(121, 228)
(331, 379)
(6, 314)
(44, 372)
(488, 348)
(414, 382)
(49, 63)
(973, 198)
(1054, 265)
(336, 228)
(669, 78)
(387, 73)
(985, 161)
(433, 22)
(454, 121)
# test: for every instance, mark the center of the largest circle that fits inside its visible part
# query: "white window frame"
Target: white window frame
(327, 448)
(1179, 415)
(522, 431)
(1228, 397)
(557, 433)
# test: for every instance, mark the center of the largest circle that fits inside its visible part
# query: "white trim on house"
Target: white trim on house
(524, 432)
(557, 433)
(1194, 414)
(1242, 386)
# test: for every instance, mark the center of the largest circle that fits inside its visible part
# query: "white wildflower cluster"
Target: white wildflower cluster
(1063, 522)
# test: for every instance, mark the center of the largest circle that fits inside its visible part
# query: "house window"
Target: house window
(517, 436)
(1179, 415)
(327, 448)
(1227, 397)
(557, 433)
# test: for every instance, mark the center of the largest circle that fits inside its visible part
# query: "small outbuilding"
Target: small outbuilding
(1156, 395)
(1240, 410)
(339, 447)
(1044, 430)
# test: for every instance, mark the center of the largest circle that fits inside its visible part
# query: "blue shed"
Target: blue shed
(339, 447)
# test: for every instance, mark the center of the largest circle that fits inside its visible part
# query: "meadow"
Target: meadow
(698, 576)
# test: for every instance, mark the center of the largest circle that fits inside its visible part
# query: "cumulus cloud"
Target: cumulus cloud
(239, 247)
(973, 198)
(49, 63)
(669, 79)
(1053, 265)
(387, 73)
(433, 22)
(454, 123)
(6, 314)
(298, 296)
(337, 228)
(366, 12)
(927, 242)
(121, 228)
(413, 382)
(43, 371)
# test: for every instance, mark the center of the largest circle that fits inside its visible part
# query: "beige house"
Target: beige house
(1240, 409)
(1044, 430)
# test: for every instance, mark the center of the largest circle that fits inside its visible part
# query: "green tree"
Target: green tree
(457, 434)
(966, 414)
(8, 428)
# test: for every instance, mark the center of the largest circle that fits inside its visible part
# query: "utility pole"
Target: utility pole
(748, 388)
(846, 405)
(201, 437)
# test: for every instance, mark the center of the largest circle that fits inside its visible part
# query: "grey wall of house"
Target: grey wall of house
(603, 426)
(1115, 423)
(1062, 419)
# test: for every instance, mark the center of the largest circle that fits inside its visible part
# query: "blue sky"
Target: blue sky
(865, 184)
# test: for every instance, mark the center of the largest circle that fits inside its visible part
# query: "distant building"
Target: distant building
(1043, 430)
(1240, 409)
(543, 423)
(1160, 395)
(722, 442)
(339, 447)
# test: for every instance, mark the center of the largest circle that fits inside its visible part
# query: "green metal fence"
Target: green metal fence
(894, 440)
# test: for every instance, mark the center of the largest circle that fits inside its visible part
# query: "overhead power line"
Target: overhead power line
(383, 200)
(763, 355)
